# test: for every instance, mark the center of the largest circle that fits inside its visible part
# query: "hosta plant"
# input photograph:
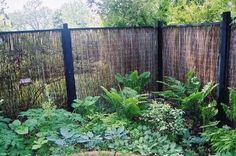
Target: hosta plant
(148, 142)
(67, 137)
(116, 138)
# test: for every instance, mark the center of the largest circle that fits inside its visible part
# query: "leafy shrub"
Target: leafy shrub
(191, 97)
(176, 90)
(147, 142)
(230, 109)
(10, 142)
(69, 138)
(195, 104)
(127, 101)
(194, 144)
(164, 119)
(133, 80)
(99, 122)
(41, 123)
(116, 138)
(222, 139)
(85, 106)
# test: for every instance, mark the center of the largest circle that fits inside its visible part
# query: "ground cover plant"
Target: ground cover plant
(177, 121)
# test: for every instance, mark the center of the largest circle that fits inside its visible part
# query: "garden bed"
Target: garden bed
(181, 120)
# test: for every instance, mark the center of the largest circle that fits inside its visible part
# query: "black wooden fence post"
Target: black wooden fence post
(68, 64)
(222, 90)
(160, 57)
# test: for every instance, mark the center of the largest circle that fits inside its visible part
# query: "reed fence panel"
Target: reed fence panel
(32, 70)
(99, 54)
(191, 47)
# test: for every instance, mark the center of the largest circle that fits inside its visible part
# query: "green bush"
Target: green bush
(86, 106)
(134, 81)
(148, 142)
(164, 119)
(222, 139)
(230, 109)
(191, 97)
(127, 101)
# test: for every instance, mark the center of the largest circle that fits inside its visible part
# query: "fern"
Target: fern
(208, 112)
(126, 101)
(231, 109)
(222, 139)
(190, 97)
(133, 80)
(176, 90)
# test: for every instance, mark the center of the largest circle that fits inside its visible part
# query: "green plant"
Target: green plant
(126, 101)
(147, 142)
(230, 109)
(133, 80)
(99, 122)
(176, 90)
(13, 144)
(19, 128)
(85, 106)
(191, 97)
(117, 138)
(91, 140)
(44, 122)
(68, 137)
(208, 112)
(10, 142)
(222, 139)
(194, 144)
(164, 119)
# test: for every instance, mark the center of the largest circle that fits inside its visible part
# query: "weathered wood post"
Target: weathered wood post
(222, 90)
(68, 65)
(159, 56)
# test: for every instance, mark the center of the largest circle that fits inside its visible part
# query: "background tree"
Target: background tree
(76, 14)
(185, 11)
(4, 20)
(33, 16)
(131, 12)
(148, 12)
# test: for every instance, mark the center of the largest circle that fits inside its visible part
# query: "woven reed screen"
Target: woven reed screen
(99, 54)
(32, 69)
(186, 48)
(232, 58)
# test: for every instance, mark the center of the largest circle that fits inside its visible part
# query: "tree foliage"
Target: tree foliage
(76, 14)
(148, 12)
(131, 12)
(34, 16)
(4, 21)
(199, 11)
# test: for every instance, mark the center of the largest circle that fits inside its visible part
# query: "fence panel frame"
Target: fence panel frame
(68, 65)
(222, 94)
